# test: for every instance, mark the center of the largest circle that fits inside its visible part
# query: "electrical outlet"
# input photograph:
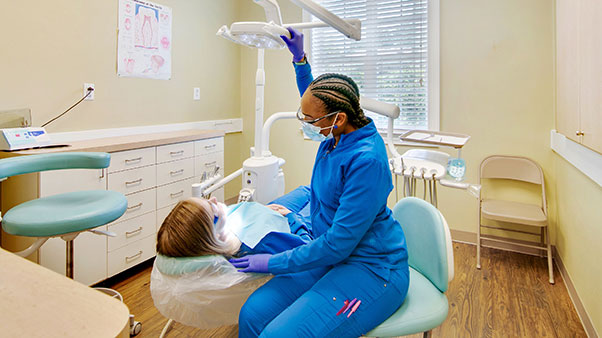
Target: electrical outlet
(196, 93)
(91, 96)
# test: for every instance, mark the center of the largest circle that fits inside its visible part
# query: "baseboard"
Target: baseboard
(471, 238)
(585, 319)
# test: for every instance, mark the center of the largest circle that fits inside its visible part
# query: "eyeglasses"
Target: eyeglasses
(301, 117)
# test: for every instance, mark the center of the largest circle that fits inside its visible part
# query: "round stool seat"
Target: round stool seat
(64, 213)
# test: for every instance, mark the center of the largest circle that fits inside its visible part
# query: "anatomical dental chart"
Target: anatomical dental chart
(144, 40)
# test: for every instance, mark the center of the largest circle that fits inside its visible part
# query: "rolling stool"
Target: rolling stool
(63, 215)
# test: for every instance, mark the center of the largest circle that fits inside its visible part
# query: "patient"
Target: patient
(200, 227)
(192, 282)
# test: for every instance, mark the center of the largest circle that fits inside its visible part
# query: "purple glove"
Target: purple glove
(295, 44)
(252, 263)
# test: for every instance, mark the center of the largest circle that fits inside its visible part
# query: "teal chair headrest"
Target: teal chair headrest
(26, 164)
(425, 237)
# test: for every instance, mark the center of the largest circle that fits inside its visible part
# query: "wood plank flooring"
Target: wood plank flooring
(509, 297)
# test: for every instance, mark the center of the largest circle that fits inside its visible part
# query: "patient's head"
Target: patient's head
(189, 230)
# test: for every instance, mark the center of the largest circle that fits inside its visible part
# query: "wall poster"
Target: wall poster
(144, 40)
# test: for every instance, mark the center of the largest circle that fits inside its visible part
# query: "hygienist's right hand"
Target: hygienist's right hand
(295, 44)
(252, 263)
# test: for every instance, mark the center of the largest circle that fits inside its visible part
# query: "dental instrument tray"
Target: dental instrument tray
(436, 138)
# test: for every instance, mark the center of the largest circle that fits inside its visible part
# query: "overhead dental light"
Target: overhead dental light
(255, 34)
(266, 35)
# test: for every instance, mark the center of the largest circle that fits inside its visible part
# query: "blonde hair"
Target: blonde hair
(188, 232)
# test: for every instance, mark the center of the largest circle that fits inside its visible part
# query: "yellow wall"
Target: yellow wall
(578, 234)
(51, 48)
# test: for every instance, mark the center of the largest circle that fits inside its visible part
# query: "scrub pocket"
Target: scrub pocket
(314, 313)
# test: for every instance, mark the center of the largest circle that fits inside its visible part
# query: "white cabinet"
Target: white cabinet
(579, 71)
(153, 179)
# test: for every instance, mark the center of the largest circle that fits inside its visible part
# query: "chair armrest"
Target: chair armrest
(35, 163)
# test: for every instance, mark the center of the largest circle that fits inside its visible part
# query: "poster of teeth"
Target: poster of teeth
(144, 40)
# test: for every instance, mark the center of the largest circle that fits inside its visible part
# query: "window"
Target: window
(396, 61)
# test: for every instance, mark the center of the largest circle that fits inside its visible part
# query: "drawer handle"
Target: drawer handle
(210, 164)
(137, 159)
(176, 153)
(176, 194)
(135, 206)
(177, 172)
(133, 233)
(138, 181)
(211, 146)
(131, 258)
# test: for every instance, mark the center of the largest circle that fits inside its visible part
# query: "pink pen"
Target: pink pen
(354, 308)
(350, 305)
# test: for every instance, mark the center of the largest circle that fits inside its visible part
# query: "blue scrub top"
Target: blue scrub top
(350, 220)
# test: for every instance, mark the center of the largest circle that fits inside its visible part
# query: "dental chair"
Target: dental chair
(64, 215)
(431, 269)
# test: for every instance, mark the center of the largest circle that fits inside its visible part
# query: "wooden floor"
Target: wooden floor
(509, 297)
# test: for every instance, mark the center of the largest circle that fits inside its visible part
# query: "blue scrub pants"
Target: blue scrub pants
(305, 304)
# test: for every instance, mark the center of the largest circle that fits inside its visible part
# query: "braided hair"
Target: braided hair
(339, 92)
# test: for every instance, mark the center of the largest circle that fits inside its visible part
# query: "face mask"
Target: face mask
(313, 132)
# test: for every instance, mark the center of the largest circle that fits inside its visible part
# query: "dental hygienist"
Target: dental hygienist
(354, 275)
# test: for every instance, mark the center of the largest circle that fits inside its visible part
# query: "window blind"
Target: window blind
(389, 63)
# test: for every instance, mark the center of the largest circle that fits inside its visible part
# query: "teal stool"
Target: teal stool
(431, 268)
(64, 215)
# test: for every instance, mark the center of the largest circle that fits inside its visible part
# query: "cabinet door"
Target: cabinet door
(62, 181)
(90, 250)
(567, 68)
(590, 70)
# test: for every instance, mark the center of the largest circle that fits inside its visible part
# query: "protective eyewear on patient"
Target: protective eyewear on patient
(215, 212)
(303, 118)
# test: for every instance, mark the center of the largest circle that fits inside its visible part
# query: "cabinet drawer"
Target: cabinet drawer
(207, 164)
(130, 255)
(208, 146)
(162, 214)
(132, 230)
(175, 171)
(130, 181)
(130, 159)
(139, 203)
(176, 151)
(174, 192)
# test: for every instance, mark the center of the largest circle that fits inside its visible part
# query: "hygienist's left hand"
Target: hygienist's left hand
(252, 263)
(282, 210)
